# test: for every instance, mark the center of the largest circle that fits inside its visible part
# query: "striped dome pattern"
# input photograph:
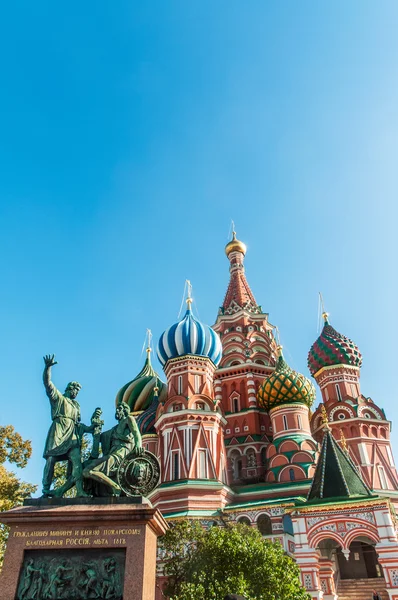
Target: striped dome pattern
(139, 393)
(285, 386)
(332, 348)
(146, 420)
(189, 336)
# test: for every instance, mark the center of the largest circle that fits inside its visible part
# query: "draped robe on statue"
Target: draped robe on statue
(64, 431)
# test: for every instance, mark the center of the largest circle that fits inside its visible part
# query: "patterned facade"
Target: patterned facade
(236, 439)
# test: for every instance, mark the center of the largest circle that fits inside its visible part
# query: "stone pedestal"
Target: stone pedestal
(81, 548)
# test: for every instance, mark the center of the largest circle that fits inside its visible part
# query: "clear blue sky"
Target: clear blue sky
(131, 134)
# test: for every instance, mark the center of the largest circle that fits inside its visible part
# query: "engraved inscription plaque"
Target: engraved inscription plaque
(72, 575)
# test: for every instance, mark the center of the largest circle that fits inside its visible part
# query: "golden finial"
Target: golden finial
(189, 294)
(343, 441)
(325, 419)
(279, 349)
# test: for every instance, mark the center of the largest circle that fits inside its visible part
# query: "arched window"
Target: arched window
(338, 392)
(179, 391)
(292, 475)
(244, 520)
(264, 524)
(263, 456)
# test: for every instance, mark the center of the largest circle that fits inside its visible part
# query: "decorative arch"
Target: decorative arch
(278, 460)
(324, 535)
(343, 408)
(234, 452)
(245, 519)
(264, 524)
(367, 530)
(362, 410)
(308, 445)
(234, 363)
(284, 474)
(201, 399)
(302, 457)
(249, 448)
(289, 446)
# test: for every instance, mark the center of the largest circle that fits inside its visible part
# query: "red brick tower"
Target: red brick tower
(189, 422)
(248, 355)
(335, 361)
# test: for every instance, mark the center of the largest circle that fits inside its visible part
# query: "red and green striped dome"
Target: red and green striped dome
(139, 393)
(332, 348)
(285, 386)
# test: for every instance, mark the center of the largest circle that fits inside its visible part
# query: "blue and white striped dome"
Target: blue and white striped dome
(189, 336)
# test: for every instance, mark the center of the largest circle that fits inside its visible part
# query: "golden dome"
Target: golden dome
(235, 245)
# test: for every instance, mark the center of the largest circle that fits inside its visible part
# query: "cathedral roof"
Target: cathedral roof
(335, 475)
(146, 420)
(139, 392)
(239, 294)
(189, 336)
(332, 348)
(285, 386)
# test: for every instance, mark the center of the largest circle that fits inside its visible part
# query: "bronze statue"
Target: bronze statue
(117, 443)
(64, 438)
(124, 467)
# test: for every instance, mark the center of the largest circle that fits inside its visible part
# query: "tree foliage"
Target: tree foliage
(13, 491)
(208, 565)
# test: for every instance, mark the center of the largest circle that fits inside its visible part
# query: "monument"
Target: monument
(100, 543)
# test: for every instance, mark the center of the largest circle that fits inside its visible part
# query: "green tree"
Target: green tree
(13, 491)
(208, 565)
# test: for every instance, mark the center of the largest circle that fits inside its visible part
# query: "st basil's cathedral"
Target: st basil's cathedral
(239, 439)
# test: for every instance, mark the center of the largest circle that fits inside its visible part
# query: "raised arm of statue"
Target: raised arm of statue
(49, 361)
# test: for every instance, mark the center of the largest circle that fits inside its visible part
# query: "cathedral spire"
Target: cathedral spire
(239, 294)
(336, 476)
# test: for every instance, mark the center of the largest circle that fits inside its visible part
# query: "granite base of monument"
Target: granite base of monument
(60, 549)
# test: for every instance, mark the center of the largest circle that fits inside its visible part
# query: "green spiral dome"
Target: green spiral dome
(285, 386)
(139, 392)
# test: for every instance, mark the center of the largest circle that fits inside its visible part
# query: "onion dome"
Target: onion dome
(235, 245)
(146, 420)
(285, 386)
(332, 348)
(139, 393)
(189, 336)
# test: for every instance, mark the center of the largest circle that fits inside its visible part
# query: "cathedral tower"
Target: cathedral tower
(189, 421)
(335, 361)
(248, 356)
(287, 395)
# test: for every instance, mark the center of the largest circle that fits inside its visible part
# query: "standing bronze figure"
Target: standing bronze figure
(64, 438)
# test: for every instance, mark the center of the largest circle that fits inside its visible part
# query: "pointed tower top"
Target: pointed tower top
(336, 477)
(239, 294)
